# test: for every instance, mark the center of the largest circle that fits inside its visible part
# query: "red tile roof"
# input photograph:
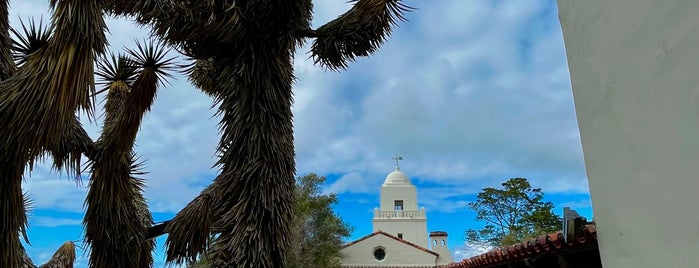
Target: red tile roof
(546, 244)
(391, 236)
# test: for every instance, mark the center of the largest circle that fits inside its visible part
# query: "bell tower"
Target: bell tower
(398, 213)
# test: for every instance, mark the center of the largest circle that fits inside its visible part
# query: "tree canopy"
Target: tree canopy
(512, 213)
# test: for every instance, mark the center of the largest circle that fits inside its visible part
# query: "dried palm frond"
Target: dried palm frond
(38, 103)
(115, 227)
(189, 232)
(356, 33)
(32, 38)
(67, 154)
(257, 159)
(203, 75)
(7, 65)
(64, 257)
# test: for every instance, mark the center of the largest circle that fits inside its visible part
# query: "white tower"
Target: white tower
(439, 244)
(398, 213)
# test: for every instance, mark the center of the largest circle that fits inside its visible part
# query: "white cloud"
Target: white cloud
(351, 183)
(471, 249)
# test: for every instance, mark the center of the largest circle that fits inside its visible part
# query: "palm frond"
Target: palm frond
(67, 153)
(116, 227)
(203, 75)
(356, 33)
(32, 38)
(189, 232)
(63, 257)
(153, 55)
(115, 69)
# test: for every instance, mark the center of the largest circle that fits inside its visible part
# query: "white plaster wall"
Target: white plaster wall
(397, 253)
(442, 250)
(413, 230)
(407, 193)
(634, 68)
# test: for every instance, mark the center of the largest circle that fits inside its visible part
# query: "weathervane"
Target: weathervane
(397, 158)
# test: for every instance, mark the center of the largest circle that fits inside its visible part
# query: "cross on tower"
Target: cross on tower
(397, 158)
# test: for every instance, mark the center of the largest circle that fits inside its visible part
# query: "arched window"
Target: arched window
(443, 242)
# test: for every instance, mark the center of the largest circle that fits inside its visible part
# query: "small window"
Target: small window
(444, 243)
(398, 205)
(400, 235)
(379, 253)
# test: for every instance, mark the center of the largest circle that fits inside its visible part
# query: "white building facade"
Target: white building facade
(634, 67)
(399, 237)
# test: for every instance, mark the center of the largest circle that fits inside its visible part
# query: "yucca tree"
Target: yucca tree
(116, 227)
(242, 53)
(38, 101)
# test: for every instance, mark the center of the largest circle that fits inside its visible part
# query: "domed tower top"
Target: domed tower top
(397, 178)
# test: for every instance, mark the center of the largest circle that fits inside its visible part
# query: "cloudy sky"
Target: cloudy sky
(469, 92)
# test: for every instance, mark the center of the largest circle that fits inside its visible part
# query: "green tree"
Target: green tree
(317, 231)
(242, 54)
(514, 213)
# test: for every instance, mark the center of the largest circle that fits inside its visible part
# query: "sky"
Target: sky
(469, 93)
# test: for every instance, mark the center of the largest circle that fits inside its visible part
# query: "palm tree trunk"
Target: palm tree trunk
(7, 65)
(13, 217)
(257, 176)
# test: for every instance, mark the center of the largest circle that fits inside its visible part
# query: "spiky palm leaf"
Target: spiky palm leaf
(116, 227)
(32, 38)
(37, 106)
(358, 32)
(192, 227)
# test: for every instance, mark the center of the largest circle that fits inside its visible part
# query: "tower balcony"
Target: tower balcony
(399, 214)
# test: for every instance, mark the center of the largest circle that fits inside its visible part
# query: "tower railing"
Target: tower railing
(399, 214)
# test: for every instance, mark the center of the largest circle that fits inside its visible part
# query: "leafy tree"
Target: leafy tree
(316, 233)
(512, 214)
(241, 53)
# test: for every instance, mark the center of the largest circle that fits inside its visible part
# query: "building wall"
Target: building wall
(634, 67)
(413, 230)
(439, 244)
(397, 253)
(407, 193)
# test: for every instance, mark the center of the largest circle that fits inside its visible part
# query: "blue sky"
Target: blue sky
(470, 93)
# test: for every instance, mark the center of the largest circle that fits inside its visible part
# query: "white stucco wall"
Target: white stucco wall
(634, 68)
(413, 230)
(397, 253)
(442, 250)
(407, 193)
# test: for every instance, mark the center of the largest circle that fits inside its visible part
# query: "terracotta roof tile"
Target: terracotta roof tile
(550, 243)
